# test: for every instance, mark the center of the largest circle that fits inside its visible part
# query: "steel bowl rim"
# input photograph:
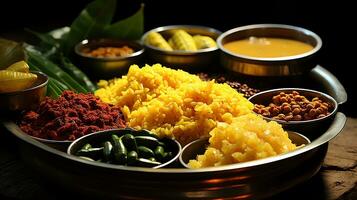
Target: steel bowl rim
(107, 59)
(335, 105)
(74, 143)
(43, 84)
(181, 52)
(332, 132)
(274, 59)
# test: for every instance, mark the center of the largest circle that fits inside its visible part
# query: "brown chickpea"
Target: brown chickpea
(309, 106)
(295, 106)
(286, 109)
(297, 117)
(266, 113)
(283, 99)
(285, 104)
(297, 98)
(288, 118)
(276, 99)
(317, 104)
(296, 111)
(306, 116)
(319, 111)
(312, 113)
(281, 116)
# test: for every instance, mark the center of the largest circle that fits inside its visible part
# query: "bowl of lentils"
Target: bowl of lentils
(297, 109)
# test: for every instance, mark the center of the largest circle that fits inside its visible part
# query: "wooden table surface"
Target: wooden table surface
(336, 180)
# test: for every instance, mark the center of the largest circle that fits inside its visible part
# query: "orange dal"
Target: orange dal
(267, 47)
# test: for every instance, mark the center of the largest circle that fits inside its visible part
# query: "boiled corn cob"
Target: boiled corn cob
(203, 42)
(181, 40)
(171, 43)
(155, 39)
(20, 66)
(11, 81)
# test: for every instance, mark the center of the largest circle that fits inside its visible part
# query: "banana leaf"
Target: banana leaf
(46, 39)
(50, 68)
(94, 21)
(10, 52)
(130, 28)
(90, 22)
(76, 73)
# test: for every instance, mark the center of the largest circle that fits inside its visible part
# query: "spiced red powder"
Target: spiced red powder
(71, 116)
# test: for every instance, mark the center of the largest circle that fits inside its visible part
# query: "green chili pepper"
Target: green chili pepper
(145, 152)
(129, 142)
(132, 157)
(119, 150)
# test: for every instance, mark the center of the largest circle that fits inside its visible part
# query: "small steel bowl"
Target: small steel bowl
(279, 66)
(107, 67)
(310, 127)
(102, 136)
(25, 99)
(188, 60)
(199, 146)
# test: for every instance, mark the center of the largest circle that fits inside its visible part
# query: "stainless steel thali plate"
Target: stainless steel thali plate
(248, 180)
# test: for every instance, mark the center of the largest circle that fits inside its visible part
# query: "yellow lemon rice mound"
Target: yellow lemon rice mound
(172, 103)
(247, 138)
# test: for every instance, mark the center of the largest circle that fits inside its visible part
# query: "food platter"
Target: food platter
(171, 115)
(248, 180)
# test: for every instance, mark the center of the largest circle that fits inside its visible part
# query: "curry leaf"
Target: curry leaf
(130, 28)
(91, 21)
(10, 52)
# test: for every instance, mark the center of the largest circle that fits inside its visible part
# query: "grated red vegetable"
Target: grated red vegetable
(71, 116)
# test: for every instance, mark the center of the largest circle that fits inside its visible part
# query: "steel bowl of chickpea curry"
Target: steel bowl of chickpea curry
(297, 109)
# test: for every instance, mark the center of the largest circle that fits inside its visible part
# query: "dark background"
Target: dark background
(332, 20)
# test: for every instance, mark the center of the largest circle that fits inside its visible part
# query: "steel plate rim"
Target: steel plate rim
(335, 128)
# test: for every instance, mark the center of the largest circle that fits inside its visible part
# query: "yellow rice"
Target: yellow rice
(247, 138)
(172, 103)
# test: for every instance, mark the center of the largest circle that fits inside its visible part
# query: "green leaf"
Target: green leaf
(130, 28)
(47, 40)
(90, 22)
(10, 52)
(51, 69)
(76, 73)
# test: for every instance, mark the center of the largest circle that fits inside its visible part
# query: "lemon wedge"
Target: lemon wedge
(20, 66)
(11, 81)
